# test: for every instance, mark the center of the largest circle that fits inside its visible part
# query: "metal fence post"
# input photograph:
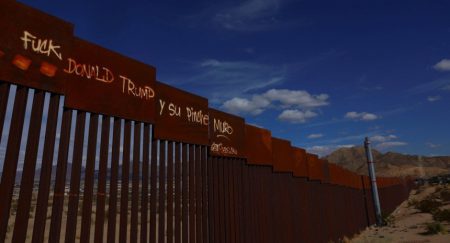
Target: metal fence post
(370, 163)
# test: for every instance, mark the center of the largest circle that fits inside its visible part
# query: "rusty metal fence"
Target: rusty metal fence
(94, 149)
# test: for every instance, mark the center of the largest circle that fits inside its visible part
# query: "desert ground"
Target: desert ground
(425, 217)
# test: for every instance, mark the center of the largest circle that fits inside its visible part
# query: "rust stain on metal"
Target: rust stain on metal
(105, 82)
(181, 116)
(258, 142)
(38, 38)
(227, 134)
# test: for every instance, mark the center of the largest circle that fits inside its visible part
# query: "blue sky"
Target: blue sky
(323, 74)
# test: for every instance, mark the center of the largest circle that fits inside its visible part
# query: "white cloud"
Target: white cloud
(390, 144)
(315, 135)
(433, 145)
(254, 106)
(446, 87)
(250, 15)
(221, 80)
(443, 65)
(296, 116)
(381, 139)
(433, 98)
(299, 98)
(363, 116)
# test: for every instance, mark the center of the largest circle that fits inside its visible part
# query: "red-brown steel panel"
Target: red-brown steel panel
(282, 155)
(227, 134)
(315, 167)
(326, 171)
(105, 82)
(35, 47)
(300, 166)
(181, 116)
(258, 142)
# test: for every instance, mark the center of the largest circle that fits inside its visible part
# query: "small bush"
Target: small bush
(428, 206)
(442, 215)
(412, 203)
(445, 195)
(388, 219)
(435, 228)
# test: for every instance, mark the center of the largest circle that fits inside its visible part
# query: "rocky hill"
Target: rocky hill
(390, 163)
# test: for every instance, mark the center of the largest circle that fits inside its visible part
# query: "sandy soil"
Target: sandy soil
(408, 224)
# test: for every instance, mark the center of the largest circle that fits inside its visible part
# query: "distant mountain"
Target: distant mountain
(390, 163)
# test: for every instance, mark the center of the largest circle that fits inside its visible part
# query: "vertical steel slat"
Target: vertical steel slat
(222, 201)
(162, 192)
(289, 208)
(58, 194)
(199, 194)
(71, 225)
(256, 205)
(29, 166)
(112, 204)
(89, 179)
(102, 171)
(226, 191)
(236, 200)
(153, 191)
(170, 159)
(231, 200)
(145, 182)
(263, 201)
(178, 185)
(239, 208)
(365, 201)
(205, 189)
(123, 227)
(240, 184)
(11, 158)
(4, 95)
(245, 202)
(217, 210)
(211, 208)
(185, 193)
(191, 193)
(46, 169)
(135, 183)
